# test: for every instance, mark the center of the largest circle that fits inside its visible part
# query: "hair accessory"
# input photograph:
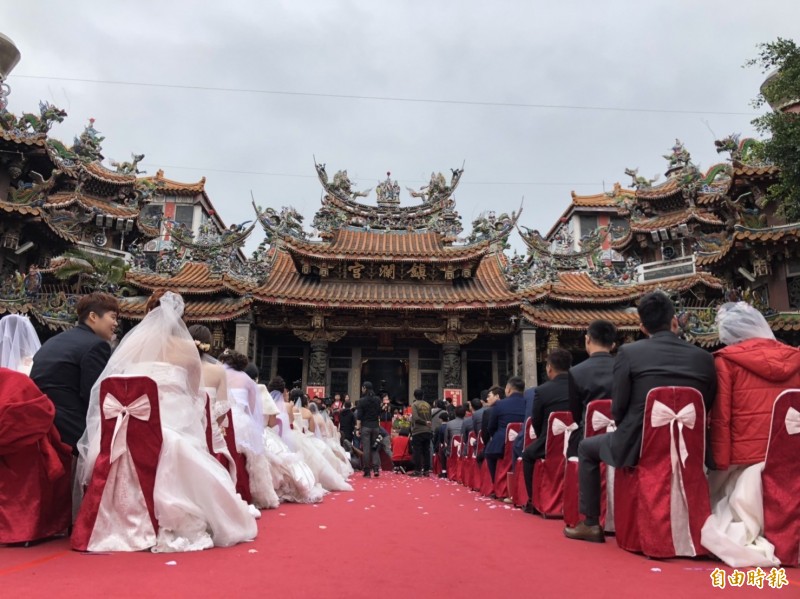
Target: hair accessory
(204, 346)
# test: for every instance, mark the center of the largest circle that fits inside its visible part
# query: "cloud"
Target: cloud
(660, 55)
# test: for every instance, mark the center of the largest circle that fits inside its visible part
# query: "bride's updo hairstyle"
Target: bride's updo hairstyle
(234, 359)
(154, 301)
(276, 384)
(202, 338)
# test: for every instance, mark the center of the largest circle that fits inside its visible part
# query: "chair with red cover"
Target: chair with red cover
(242, 478)
(780, 479)
(517, 490)
(504, 464)
(468, 466)
(598, 422)
(130, 445)
(660, 506)
(485, 482)
(35, 494)
(548, 473)
(453, 460)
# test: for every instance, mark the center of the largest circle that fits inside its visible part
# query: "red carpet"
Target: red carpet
(393, 537)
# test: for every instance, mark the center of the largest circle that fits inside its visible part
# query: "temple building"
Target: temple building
(393, 291)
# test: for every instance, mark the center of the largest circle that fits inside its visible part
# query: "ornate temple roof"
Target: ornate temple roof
(195, 311)
(578, 319)
(171, 187)
(486, 289)
(99, 205)
(603, 200)
(194, 278)
(395, 246)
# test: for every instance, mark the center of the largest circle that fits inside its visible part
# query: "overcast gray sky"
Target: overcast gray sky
(647, 56)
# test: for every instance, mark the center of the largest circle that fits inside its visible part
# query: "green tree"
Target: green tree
(782, 146)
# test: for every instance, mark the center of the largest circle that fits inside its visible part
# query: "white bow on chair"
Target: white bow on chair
(600, 421)
(792, 421)
(560, 428)
(662, 415)
(512, 435)
(112, 408)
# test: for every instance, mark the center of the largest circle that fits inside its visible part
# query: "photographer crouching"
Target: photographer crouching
(368, 428)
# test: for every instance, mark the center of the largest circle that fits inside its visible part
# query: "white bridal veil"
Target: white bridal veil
(740, 321)
(18, 343)
(161, 338)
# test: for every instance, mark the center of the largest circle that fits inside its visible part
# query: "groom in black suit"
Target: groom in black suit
(660, 360)
(67, 366)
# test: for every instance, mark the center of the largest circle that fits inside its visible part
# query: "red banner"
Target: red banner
(313, 392)
(454, 394)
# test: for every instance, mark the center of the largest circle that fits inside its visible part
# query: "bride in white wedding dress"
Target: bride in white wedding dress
(196, 504)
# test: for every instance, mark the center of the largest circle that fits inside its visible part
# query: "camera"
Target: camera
(377, 442)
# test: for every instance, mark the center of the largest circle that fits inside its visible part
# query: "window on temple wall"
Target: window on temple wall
(339, 382)
(152, 214)
(430, 385)
(184, 215)
(588, 223)
(793, 286)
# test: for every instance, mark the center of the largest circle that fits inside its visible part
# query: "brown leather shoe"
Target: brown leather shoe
(582, 532)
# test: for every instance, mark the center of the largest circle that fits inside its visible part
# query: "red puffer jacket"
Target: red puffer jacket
(750, 375)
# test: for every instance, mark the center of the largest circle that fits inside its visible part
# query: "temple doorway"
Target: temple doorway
(389, 376)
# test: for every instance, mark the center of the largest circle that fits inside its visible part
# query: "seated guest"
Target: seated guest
(437, 414)
(661, 360)
(752, 371)
(452, 429)
(592, 378)
(34, 464)
(504, 412)
(494, 395)
(477, 415)
(67, 365)
(469, 423)
(18, 343)
(551, 396)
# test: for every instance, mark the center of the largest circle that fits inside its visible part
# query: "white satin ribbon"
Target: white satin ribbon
(112, 408)
(559, 427)
(600, 421)
(512, 435)
(662, 415)
(792, 421)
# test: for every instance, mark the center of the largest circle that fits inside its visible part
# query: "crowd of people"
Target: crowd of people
(739, 385)
(231, 446)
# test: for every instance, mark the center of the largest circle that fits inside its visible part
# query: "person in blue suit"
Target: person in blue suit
(504, 412)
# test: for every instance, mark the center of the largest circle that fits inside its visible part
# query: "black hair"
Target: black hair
(461, 411)
(602, 332)
(419, 394)
(234, 359)
(276, 384)
(516, 383)
(475, 403)
(559, 359)
(498, 391)
(367, 386)
(484, 394)
(251, 370)
(656, 312)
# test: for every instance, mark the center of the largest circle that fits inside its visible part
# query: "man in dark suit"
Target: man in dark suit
(661, 360)
(67, 366)
(468, 425)
(504, 412)
(477, 415)
(549, 397)
(592, 378)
